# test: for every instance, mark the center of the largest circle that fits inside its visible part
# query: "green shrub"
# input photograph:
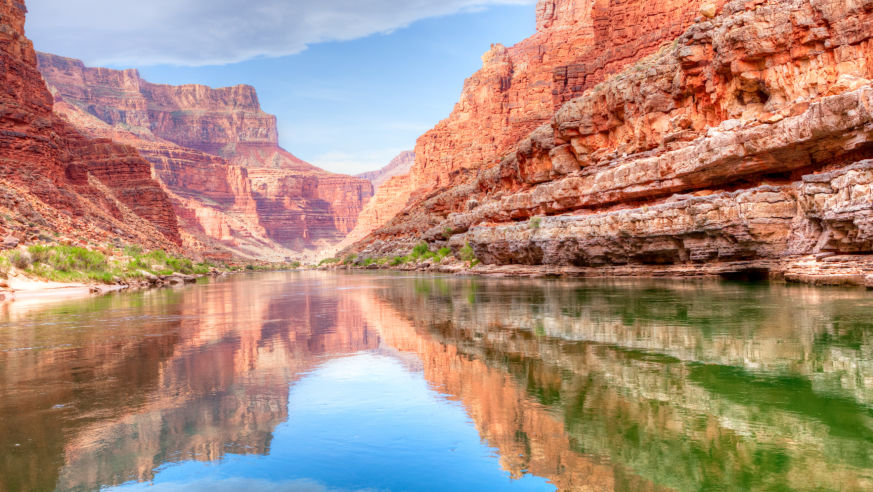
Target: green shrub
(328, 261)
(157, 256)
(442, 254)
(350, 259)
(181, 265)
(467, 253)
(39, 253)
(448, 232)
(134, 251)
(104, 277)
(76, 259)
(20, 260)
(535, 222)
(420, 250)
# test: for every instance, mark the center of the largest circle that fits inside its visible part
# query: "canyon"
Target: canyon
(55, 180)
(216, 152)
(733, 139)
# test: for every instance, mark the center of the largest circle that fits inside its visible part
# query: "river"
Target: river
(317, 381)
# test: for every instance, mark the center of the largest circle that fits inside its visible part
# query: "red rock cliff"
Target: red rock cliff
(55, 178)
(742, 146)
(578, 43)
(217, 152)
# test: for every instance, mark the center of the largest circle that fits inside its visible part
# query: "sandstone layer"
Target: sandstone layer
(217, 153)
(739, 146)
(53, 179)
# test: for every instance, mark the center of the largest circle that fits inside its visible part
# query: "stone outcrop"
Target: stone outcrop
(398, 166)
(738, 146)
(217, 153)
(55, 179)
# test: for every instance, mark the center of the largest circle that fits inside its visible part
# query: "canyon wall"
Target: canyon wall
(398, 166)
(738, 146)
(578, 44)
(218, 155)
(54, 179)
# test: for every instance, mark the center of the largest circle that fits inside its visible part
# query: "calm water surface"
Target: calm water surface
(321, 381)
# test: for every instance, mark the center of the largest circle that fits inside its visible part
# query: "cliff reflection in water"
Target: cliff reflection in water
(107, 391)
(591, 385)
(687, 386)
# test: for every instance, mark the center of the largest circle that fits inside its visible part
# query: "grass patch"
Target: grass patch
(66, 263)
(467, 253)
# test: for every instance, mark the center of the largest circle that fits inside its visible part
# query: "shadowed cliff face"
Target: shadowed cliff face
(217, 153)
(56, 179)
(590, 385)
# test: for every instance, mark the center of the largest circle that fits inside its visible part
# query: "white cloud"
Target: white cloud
(206, 32)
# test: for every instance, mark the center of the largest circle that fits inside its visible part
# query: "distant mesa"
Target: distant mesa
(217, 154)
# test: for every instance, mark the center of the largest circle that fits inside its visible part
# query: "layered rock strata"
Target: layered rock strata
(217, 153)
(55, 179)
(739, 146)
(578, 44)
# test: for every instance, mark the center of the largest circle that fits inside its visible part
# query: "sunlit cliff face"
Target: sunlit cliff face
(591, 385)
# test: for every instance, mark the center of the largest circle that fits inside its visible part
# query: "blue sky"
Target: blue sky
(347, 105)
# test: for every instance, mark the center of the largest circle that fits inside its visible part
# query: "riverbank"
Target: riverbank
(819, 270)
(44, 272)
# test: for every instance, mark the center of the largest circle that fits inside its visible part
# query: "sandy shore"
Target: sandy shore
(24, 290)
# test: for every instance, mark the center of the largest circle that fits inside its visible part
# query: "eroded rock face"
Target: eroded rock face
(577, 45)
(56, 178)
(217, 153)
(740, 145)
